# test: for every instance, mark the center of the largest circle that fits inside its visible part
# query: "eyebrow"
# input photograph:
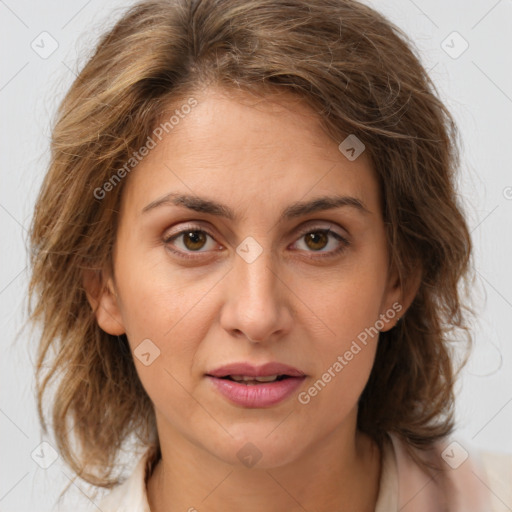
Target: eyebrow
(295, 210)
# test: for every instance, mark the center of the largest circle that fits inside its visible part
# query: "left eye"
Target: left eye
(315, 240)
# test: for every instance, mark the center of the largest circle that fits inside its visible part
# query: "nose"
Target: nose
(257, 299)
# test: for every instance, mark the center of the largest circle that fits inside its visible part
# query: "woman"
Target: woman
(247, 257)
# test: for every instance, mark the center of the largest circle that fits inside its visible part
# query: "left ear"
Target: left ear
(398, 297)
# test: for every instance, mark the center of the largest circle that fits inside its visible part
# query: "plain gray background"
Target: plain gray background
(476, 85)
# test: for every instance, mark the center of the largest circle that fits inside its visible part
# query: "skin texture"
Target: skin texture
(289, 305)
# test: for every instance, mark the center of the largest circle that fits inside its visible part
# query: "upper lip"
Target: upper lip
(249, 370)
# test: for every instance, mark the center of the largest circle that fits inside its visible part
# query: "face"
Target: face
(261, 276)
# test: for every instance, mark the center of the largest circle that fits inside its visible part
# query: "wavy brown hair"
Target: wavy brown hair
(362, 76)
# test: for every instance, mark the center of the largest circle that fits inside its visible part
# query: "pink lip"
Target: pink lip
(257, 395)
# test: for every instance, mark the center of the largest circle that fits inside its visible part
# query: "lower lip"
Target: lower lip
(257, 395)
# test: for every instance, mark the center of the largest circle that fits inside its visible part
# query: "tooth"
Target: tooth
(269, 378)
(244, 378)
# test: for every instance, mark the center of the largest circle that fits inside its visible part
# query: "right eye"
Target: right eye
(191, 239)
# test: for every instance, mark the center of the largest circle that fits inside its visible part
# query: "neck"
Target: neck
(339, 474)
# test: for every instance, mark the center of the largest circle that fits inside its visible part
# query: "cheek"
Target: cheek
(332, 395)
(344, 359)
(161, 305)
(165, 328)
(347, 337)
(156, 298)
(348, 302)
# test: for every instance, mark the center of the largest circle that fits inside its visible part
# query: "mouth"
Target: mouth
(251, 381)
(246, 372)
(252, 386)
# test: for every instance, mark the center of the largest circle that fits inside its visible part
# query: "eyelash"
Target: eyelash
(196, 229)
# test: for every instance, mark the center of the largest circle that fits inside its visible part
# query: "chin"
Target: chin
(257, 450)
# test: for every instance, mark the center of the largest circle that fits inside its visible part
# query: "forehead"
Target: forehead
(244, 150)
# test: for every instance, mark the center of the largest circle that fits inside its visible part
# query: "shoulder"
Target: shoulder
(470, 479)
(131, 495)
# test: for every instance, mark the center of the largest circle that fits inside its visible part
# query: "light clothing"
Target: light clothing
(480, 483)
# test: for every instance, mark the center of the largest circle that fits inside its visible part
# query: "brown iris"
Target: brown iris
(197, 239)
(316, 238)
